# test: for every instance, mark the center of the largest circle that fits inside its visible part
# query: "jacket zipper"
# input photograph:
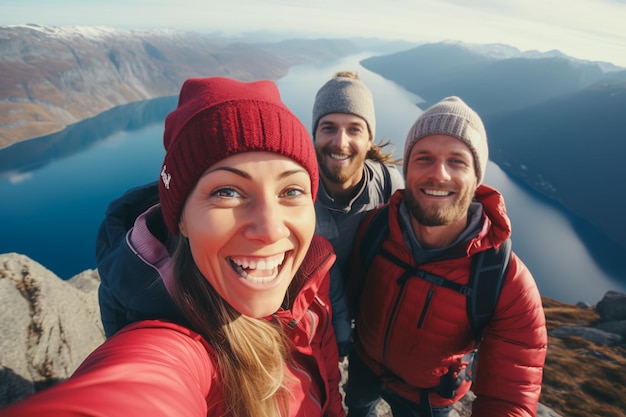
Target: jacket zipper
(429, 296)
(402, 283)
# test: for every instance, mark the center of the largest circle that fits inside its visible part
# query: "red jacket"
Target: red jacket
(157, 368)
(412, 337)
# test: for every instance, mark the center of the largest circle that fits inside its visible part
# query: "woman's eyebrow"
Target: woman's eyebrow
(293, 172)
(246, 175)
(235, 171)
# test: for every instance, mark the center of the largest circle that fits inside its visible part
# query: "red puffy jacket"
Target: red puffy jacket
(412, 334)
(157, 368)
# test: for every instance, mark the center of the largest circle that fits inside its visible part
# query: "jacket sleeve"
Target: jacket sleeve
(512, 353)
(149, 369)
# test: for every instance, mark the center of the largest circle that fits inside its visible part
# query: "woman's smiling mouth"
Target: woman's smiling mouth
(257, 270)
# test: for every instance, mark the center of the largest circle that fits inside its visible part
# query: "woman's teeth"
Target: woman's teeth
(258, 270)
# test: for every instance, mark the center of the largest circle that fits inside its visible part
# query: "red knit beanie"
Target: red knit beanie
(220, 117)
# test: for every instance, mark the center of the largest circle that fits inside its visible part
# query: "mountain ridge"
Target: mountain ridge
(52, 77)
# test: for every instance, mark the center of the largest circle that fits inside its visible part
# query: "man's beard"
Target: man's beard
(339, 174)
(439, 215)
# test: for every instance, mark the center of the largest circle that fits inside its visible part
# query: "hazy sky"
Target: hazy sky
(585, 29)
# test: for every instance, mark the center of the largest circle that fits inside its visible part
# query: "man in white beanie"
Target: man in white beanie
(414, 340)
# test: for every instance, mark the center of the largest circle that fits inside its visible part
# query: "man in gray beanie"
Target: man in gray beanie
(452, 117)
(412, 299)
(356, 176)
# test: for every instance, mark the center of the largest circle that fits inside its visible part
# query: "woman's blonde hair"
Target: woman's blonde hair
(251, 353)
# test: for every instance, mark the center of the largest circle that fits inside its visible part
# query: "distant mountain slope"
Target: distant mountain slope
(51, 77)
(491, 78)
(571, 149)
(554, 122)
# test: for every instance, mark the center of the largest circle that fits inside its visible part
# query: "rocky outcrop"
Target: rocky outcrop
(49, 326)
(612, 310)
(610, 330)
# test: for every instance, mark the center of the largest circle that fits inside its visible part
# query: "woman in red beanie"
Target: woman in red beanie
(237, 188)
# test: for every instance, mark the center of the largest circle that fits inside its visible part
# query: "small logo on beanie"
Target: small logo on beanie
(165, 177)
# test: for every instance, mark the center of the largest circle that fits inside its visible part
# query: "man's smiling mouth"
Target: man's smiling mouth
(339, 157)
(437, 193)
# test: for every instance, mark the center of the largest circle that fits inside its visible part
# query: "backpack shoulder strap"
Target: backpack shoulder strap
(487, 275)
(371, 244)
(388, 185)
(374, 236)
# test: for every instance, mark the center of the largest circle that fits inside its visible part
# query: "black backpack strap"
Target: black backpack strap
(374, 236)
(371, 244)
(387, 184)
(487, 275)
(411, 271)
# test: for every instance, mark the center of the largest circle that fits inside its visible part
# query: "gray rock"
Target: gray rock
(543, 411)
(612, 306)
(593, 335)
(48, 325)
(617, 327)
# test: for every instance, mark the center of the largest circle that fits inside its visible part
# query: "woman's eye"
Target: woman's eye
(293, 192)
(226, 193)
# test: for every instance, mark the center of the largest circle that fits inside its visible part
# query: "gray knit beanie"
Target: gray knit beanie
(452, 117)
(345, 93)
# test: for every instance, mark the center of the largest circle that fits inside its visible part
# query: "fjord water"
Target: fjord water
(55, 189)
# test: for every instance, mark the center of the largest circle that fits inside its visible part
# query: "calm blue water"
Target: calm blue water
(55, 189)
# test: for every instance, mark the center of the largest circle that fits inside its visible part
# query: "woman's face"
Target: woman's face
(250, 220)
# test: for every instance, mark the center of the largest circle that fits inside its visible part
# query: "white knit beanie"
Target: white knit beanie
(345, 93)
(452, 117)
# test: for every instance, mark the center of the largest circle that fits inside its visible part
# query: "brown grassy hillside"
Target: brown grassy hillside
(582, 379)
